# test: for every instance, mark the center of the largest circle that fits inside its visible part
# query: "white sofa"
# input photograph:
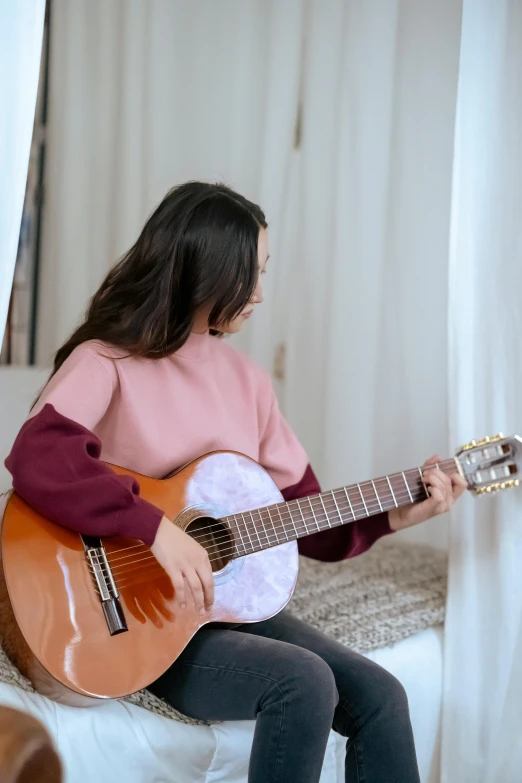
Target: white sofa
(119, 740)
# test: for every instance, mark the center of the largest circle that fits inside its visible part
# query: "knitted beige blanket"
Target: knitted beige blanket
(391, 592)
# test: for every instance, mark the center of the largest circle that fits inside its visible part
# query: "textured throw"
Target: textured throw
(374, 600)
(391, 592)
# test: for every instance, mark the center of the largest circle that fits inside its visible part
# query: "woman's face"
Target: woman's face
(262, 256)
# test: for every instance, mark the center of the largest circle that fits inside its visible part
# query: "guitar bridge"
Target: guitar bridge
(106, 586)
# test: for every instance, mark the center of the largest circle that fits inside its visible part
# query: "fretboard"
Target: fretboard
(282, 522)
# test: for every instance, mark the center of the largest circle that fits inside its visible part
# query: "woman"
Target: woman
(145, 382)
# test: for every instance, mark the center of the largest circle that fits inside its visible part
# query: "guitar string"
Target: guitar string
(153, 567)
(265, 515)
(277, 529)
(443, 464)
(300, 527)
(355, 505)
(279, 526)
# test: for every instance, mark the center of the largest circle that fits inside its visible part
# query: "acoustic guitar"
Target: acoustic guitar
(88, 618)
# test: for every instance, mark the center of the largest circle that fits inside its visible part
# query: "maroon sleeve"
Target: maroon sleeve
(56, 469)
(341, 542)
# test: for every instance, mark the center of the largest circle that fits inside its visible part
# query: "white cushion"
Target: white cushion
(121, 741)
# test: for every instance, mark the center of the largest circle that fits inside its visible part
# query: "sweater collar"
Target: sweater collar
(198, 346)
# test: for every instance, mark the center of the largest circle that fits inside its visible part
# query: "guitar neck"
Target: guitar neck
(272, 525)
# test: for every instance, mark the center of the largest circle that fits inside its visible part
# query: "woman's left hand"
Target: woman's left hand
(444, 491)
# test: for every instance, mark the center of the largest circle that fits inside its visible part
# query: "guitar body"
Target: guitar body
(85, 618)
(51, 622)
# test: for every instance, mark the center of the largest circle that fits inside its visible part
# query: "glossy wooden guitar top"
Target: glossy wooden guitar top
(57, 608)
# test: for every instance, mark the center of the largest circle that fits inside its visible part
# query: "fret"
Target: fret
(393, 493)
(271, 527)
(234, 524)
(336, 506)
(423, 484)
(302, 517)
(407, 487)
(248, 532)
(376, 495)
(363, 500)
(256, 531)
(239, 531)
(259, 511)
(255, 534)
(292, 518)
(313, 513)
(324, 509)
(349, 503)
(283, 526)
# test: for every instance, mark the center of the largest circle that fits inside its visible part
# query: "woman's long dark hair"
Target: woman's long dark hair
(197, 250)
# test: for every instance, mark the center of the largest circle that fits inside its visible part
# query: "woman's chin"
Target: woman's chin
(234, 326)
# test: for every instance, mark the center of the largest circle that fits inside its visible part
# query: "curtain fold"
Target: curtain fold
(21, 33)
(147, 95)
(338, 118)
(383, 141)
(482, 728)
(366, 377)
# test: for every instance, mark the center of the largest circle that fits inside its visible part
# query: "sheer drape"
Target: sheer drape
(339, 118)
(21, 31)
(146, 95)
(367, 340)
(482, 733)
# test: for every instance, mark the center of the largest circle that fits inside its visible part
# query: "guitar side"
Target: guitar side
(51, 622)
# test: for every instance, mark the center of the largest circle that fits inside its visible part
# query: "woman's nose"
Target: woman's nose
(258, 293)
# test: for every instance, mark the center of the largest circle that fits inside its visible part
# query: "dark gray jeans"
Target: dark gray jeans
(297, 684)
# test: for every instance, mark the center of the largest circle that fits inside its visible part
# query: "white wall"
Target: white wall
(18, 388)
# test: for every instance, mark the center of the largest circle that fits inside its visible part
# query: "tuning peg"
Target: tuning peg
(470, 445)
(497, 487)
(482, 442)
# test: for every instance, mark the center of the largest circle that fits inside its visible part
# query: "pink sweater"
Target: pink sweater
(154, 416)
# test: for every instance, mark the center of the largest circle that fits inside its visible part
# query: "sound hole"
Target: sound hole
(216, 538)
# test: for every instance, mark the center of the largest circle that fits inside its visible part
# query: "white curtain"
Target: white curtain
(338, 117)
(21, 32)
(366, 378)
(482, 736)
(147, 95)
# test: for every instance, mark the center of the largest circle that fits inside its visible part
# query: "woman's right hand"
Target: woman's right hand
(187, 564)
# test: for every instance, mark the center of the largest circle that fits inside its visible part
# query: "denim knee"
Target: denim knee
(389, 695)
(311, 686)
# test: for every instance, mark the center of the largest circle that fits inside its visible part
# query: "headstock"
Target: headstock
(491, 464)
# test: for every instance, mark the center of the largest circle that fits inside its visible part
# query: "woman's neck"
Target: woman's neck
(200, 325)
